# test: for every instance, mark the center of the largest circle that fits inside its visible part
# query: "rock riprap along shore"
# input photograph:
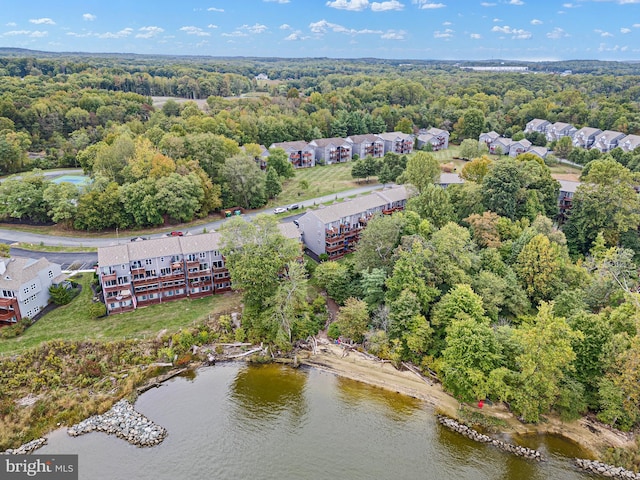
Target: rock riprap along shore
(27, 448)
(124, 422)
(610, 471)
(469, 432)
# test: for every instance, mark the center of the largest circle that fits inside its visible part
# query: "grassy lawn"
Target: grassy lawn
(322, 180)
(53, 248)
(72, 321)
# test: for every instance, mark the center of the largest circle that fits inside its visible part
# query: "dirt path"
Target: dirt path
(592, 436)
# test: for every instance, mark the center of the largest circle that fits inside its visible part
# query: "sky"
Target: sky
(530, 30)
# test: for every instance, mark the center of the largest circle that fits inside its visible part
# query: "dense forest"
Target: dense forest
(475, 283)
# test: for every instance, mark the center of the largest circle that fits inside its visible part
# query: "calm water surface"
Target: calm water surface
(237, 422)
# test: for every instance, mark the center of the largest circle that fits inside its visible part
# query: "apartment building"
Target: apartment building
(368, 145)
(162, 269)
(24, 287)
(335, 230)
(397, 142)
(437, 138)
(331, 150)
(300, 153)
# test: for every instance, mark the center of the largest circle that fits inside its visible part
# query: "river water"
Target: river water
(237, 422)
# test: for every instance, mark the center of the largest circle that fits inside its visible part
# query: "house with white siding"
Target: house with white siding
(301, 155)
(585, 137)
(607, 140)
(368, 145)
(397, 142)
(521, 146)
(537, 125)
(24, 287)
(629, 143)
(331, 150)
(558, 130)
(488, 138)
(437, 138)
(501, 144)
(542, 152)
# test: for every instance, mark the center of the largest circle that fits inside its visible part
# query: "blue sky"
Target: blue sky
(404, 29)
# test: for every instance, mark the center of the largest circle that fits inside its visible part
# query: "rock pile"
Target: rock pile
(605, 470)
(27, 448)
(469, 432)
(124, 422)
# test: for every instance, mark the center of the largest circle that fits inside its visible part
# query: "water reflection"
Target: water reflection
(263, 394)
(394, 406)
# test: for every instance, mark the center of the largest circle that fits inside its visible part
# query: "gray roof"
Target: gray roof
(289, 230)
(367, 137)
(358, 205)
(492, 135)
(504, 141)
(392, 136)
(540, 151)
(325, 142)
(524, 142)
(630, 142)
(536, 122)
(569, 186)
(437, 131)
(587, 132)
(297, 145)
(609, 135)
(450, 178)
(20, 270)
(559, 126)
(157, 247)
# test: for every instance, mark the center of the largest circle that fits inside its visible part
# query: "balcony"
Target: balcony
(333, 247)
(107, 277)
(7, 316)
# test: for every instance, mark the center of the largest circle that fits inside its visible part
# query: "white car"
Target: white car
(279, 210)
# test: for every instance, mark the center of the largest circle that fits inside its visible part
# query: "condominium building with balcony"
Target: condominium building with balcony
(24, 287)
(300, 153)
(368, 145)
(397, 142)
(162, 269)
(331, 150)
(335, 230)
(437, 138)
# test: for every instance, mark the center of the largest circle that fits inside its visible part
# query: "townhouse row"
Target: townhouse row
(24, 287)
(586, 137)
(304, 154)
(158, 270)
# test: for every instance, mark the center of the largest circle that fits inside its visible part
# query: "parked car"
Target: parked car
(176, 234)
(293, 206)
(278, 210)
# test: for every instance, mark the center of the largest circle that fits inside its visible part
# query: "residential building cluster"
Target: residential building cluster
(585, 137)
(24, 287)
(146, 272)
(327, 151)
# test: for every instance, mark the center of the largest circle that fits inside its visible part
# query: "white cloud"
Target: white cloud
(323, 27)
(516, 2)
(535, 21)
(277, 1)
(125, 32)
(603, 33)
(11, 24)
(149, 32)
(625, 30)
(447, 34)
(488, 4)
(393, 35)
(495, 20)
(211, 25)
(296, 36)
(427, 5)
(256, 28)
(557, 33)
(570, 5)
(214, 9)
(476, 36)
(351, 5)
(516, 33)
(285, 26)
(636, 25)
(384, 6)
(89, 17)
(237, 33)
(447, 24)
(191, 30)
(27, 33)
(42, 21)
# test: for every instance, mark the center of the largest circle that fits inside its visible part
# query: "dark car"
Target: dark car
(176, 234)
(293, 206)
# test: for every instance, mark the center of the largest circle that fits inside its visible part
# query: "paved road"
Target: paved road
(12, 236)
(79, 261)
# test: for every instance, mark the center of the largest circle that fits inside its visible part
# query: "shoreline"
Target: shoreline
(592, 437)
